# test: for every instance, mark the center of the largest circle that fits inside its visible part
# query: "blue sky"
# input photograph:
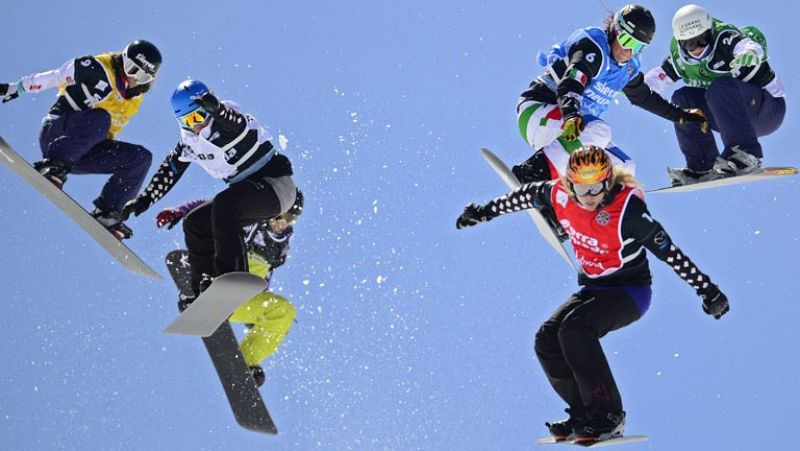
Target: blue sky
(410, 335)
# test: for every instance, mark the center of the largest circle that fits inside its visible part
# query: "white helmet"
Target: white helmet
(690, 21)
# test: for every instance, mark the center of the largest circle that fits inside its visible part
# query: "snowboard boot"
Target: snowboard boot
(112, 221)
(53, 170)
(686, 176)
(534, 169)
(743, 162)
(565, 430)
(184, 301)
(258, 375)
(601, 428)
(205, 281)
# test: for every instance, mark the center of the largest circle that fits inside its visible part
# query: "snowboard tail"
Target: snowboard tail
(243, 395)
(62, 200)
(594, 444)
(758, 175)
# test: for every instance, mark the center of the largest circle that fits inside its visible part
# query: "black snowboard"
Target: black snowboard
(240, 388)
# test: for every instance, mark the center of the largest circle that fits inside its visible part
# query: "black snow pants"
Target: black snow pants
(213, 231)
(568, 348)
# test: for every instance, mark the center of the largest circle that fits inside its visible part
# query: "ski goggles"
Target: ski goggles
(196, 117)
(589, 190)
(133, 70)
(628, 42)
(697, 42)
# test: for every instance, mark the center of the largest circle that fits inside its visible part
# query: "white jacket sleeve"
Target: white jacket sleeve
(658, 80)
(50, 79)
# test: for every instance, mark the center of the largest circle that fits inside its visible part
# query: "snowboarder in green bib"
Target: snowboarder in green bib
(728, 77)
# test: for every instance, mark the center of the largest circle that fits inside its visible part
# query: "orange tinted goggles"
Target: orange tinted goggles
(196, 117)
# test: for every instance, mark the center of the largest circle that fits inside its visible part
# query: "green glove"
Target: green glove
(747, 59)
(572, 128)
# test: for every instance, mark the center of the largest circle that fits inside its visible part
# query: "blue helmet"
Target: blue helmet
(184, 95)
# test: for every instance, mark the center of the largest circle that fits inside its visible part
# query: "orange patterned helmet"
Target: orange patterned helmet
(588, 165)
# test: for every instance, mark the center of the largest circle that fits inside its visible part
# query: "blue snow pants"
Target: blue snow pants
(739, 111)
(79, 139)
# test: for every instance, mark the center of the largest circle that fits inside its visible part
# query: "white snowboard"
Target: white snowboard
(600, 444)
(109, 242)
(761, 174)
(216, 304)
(541, 223)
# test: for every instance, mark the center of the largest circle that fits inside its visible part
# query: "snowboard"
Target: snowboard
(62, 200)
(216, 304)
(541, 223)
(760, 174)
(600, 444)
(223, 348)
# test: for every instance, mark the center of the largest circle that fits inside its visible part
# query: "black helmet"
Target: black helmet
(637, 21)
(141, 60)
(295, 210)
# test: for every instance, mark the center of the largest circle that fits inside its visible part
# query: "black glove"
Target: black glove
(694, 116)
(9, 91)
(715, 303)
(208, 102)
(137, 206)
(473, 215)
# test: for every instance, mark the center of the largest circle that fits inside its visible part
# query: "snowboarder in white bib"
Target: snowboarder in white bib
(232, 146)
(97, 96)
(268, 316)
(728, 77)
(609, 225)
(561, 109)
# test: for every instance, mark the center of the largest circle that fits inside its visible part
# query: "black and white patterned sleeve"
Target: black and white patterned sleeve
(639, 225)
(166, 175)
(527, 196)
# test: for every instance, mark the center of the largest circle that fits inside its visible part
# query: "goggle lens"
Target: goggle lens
(589, 190)
(696, 42)
(133, 70)
(628, 42)
(196, 117)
